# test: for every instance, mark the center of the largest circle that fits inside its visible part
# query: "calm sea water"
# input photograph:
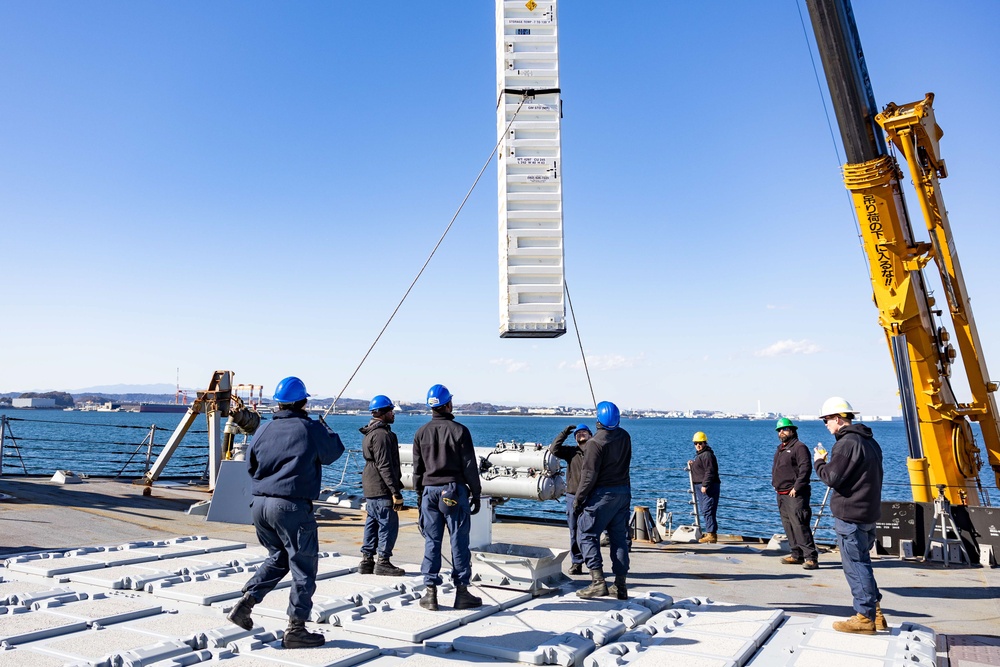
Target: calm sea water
(99, 443)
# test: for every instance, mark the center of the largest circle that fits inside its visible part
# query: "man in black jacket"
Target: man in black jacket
(383, 489)
(573, 456)
(790, 473)
(603, 501)
(285, 462)
(446, 477)
(854, 472)
(707, 485)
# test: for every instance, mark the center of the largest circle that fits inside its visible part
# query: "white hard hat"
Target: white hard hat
(835, 405)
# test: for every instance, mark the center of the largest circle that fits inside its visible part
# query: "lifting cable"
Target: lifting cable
(579, 341)
(525, 94)
(833, 139)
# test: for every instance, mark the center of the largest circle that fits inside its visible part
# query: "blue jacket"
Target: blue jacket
(287, 456)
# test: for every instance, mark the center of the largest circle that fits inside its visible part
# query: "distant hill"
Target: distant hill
(167, 389)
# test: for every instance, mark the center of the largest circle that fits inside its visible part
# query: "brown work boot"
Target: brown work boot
(810, 565)
(597, 588)
(576, 568)
(791, 560)
(857, 624)
(880, 622)
(709, 538)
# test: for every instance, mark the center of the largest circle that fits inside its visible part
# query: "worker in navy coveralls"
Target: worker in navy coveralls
(573, 456)
(603, 501)
(446, 477)
(286, 462)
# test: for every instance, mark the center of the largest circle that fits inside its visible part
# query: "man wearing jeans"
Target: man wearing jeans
(383, 489)
(446, 477)
(285, 463)
(854, 473)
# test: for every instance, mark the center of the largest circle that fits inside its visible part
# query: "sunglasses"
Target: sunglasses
(828, 419)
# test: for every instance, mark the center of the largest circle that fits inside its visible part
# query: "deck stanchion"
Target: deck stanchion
(694, 498)
(149, 449)
(819, 513)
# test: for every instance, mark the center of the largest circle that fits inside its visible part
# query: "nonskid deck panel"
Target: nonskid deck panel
(171, 611)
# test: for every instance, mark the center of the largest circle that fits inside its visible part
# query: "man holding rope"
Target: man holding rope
(285, 463)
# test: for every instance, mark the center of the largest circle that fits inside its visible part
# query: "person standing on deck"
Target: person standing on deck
(573, 456)
(790, 473)
(383, 489)
(705, 476)
(446, 477)
(854, 473)
(603, 500)
(285, 463)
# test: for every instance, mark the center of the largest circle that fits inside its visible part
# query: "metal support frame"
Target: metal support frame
(215, 403)
(943, 523)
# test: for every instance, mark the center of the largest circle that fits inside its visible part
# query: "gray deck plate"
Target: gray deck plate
(26, 657)
(121, 577)
(104, 610)
(545, 630)
(34, 625)
(804, 642)
(98, 645)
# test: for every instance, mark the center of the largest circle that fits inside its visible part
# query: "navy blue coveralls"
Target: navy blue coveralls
(573, 456)
(285, 463)
(604, 498)
(446, 476)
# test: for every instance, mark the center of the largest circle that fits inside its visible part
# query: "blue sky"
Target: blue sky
(253, 185)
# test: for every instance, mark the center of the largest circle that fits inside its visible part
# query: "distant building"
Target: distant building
(34, 403)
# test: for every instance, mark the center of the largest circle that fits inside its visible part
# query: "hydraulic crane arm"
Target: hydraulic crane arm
(942, 448)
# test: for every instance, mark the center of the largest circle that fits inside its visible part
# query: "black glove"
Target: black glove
(474, 506)
(568, 430)
(397, 502)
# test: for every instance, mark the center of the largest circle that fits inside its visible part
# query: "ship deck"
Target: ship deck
(960, 604)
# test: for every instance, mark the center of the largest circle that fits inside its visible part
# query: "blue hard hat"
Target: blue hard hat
(290, 390)
(608, 415)
(380, 402)
(582, 427)
(437, 396)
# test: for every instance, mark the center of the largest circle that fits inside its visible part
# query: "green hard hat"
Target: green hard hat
(784, 422)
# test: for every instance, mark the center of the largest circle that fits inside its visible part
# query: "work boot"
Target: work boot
(296, 636)
(576, 568)
(387, 569)
(857, 624)
(810, 565)
(709, 538)
(466, 600)
(429, 600)
(367, 564)
(597, 588)
(618, 589)
(240, 614)
(791, 560)
(880, 622)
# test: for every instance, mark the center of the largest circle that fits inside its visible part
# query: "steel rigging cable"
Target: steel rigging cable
(525, 96)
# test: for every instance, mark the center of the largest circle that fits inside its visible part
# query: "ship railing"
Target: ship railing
(38, 446)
